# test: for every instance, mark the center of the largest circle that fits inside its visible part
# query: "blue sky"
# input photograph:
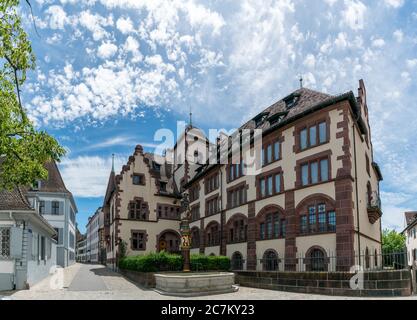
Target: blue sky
(111, 72)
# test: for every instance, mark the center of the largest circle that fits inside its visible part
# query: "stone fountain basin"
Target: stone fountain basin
(195, 283)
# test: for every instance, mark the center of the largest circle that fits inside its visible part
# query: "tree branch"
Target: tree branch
(33, 18)
(17, 87)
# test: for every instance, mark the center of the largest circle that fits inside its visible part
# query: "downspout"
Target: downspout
(14, 259)
(356, 190)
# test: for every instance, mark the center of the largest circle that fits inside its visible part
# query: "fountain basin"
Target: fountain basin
(195, 283)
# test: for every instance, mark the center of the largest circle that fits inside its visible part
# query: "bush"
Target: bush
(201, 262)
(163, 261)
(152, 262)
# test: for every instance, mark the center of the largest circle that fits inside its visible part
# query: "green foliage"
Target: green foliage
(201, 262)
(23, 149)
(152, 262)
(392, 241)
(122, 249)
(162, 261)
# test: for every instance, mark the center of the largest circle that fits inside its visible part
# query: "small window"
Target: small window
(41, 207)
(314, 172)
(138, 241)
(276, 151)
(322, 132)
(313, 136)
(303, 139)
(278, 183)
(55, 207)
(162, 186)
(304, 174)
(324, 170)
(137, 179)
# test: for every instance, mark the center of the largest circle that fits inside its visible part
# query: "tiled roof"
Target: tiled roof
(304, 99)
(410, 217)
(13, 200)
(54, 183)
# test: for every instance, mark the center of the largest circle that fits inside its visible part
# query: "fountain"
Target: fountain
(187, 283)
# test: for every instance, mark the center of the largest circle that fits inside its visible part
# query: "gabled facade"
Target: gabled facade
(56, 204)
(141, 208)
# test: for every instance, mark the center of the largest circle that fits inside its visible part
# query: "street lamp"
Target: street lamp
(185, 233)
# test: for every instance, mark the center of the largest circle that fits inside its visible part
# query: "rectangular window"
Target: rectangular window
(231, 173)
(269, 186)
(322, 222)
(314, 172)
(304, 174)
(55, 207)
(332, 221)
(41, 207)
(137, 179)
(262, 231)
(324, 170)
(313, 136)
(312, 219)
(303, 224)
(138, 241)
(283, 227)
(262, 183)
(269, 153)
(278, 183)
(276, 150)
(322, 132)
(303, 139)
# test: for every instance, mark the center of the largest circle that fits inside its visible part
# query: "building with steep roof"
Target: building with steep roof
(56, 204)
(27, 249)
(308, 198)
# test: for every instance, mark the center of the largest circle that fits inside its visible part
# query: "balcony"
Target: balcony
(373, 206)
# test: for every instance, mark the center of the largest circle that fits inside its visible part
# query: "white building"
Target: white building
(81, 255)
(27, 250)
(56, 204)
(410, 233)
(92, 237)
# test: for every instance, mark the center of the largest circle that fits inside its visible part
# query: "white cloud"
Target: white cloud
(106, 50)
(56, 16)
(95, 23)
(394, 3)
(124, 25)
(378, 43)
(310, 61)
(354, 14)
(398, 35)
(411, 63)
(87, 176)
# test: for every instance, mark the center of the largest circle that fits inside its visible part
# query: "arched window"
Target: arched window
(316, 214)
(237, 228)
(271, 223)
(270, 260)
(195, 237)
(237, 261)
(316, 260)
(369, 193)
(213, 234)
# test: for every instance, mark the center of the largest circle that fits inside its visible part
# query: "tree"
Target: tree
(23, 149)
(392, 241)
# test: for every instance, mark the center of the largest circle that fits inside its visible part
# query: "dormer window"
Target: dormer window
(291, 100)
(260, 118)
(277, 117)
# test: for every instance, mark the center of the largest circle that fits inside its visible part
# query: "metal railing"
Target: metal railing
(319, 262)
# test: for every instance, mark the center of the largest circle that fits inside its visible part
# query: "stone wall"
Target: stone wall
(145, 279)
(378, 283)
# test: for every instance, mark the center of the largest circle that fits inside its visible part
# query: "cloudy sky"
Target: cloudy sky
(111, 72)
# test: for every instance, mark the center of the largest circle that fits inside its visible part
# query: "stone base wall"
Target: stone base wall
(378, 283)
(145, 279)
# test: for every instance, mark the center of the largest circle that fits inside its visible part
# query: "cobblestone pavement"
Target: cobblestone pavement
(95, 282)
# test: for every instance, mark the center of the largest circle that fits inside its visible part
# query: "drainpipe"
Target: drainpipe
(356, 189)
(14, 260)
